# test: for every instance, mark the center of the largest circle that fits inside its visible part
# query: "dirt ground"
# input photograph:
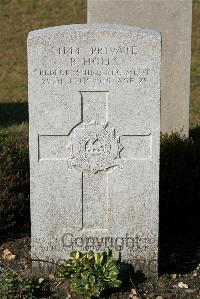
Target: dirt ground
(168, 286)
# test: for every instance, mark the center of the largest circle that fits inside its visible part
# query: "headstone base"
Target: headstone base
(149, 268)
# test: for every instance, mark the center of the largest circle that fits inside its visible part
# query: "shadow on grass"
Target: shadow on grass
(14, 187)
(179, 247)
(13, 113)
(195, 133)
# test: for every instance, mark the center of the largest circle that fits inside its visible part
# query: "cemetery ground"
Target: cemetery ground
(179, 248)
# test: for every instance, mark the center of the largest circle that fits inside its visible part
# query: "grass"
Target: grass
(18, 17)
(195, 68)
(14, 183)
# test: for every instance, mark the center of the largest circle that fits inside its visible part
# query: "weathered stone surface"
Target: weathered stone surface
(173, 18)
(94, 110)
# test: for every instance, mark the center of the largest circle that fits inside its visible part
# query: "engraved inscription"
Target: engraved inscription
(99, 50)
(120, 243)
(95, 146)
(93, 76)
(95, 65)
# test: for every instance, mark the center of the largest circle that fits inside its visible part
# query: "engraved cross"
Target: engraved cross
(94, 148)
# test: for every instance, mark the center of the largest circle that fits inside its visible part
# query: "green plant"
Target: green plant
(91, 273)
(16, 286)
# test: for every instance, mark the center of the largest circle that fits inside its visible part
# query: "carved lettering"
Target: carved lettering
(104, 243)
(68, 50)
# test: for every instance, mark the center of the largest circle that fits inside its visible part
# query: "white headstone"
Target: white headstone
(94, 110)
(173, 18)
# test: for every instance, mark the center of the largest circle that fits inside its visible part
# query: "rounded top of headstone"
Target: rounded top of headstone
(95, 27)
